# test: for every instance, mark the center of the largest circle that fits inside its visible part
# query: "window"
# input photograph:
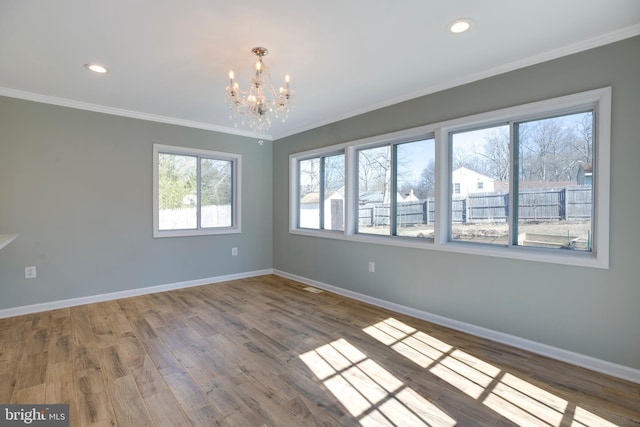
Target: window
(321, 192)
(396, 184)
(196, 192)
(480, 154)
(374, 190)
(545, 169)
(415, 178)
(527, 182)
(555, 206)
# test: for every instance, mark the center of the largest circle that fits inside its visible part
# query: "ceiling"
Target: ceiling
(169, 59)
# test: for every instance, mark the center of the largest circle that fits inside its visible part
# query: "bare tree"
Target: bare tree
(544, 149)
(309, 176)
(486, 153)
(426, 186)
(374, 170)
(582, 143)
(496, 154)
(466, 155)
(551, 149)
(334, 172)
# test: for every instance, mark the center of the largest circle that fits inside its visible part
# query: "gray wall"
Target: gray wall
(589, 311)
(77, 187)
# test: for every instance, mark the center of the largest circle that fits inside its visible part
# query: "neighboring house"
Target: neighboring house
(585, 174)
(467, 181)
(372, 197)
(333, 210)
(408, 197)
(379, 198)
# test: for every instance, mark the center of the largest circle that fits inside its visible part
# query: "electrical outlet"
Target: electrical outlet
(372, 267)
(234, 251)
(30, 272)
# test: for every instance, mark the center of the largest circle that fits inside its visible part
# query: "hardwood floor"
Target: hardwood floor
(265, 351)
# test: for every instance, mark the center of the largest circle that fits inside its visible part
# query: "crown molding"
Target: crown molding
(583, 45)
(97, 108)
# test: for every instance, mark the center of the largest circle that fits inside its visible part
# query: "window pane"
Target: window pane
(374, 178)
(480, 185)
(334, 192)
(217, 193)
(309, 193)
(178, 192)
(416, 177)
(555, 176)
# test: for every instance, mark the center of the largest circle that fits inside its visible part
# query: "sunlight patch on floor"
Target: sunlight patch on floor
(416, 346)
(368, 391)
(584, 418)
(515, 399)
(525, 403)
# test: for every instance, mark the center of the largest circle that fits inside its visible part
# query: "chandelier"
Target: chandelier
(261, 102)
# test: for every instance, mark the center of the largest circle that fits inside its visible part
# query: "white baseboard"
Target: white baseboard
(588, 362)
(53, 305)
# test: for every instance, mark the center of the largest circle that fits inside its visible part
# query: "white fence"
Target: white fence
(186, 218)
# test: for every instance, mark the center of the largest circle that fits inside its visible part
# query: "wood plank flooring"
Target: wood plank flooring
(265, 352)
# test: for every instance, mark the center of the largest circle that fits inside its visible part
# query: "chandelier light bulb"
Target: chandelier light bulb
(231, 75)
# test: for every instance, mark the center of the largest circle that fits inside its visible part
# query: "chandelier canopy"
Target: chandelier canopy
(261, 102)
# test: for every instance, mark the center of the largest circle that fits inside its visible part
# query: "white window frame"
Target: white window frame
(598, 99)
(397, 139)
(236, 160)
(295, 194)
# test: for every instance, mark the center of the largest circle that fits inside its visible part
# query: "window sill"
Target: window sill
(190, 233)
(576, 259)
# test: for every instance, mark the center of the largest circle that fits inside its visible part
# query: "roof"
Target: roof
(463, 169)
(315, 197)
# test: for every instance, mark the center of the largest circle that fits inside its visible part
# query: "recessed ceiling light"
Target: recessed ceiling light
(96, 68)
(460, 25)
